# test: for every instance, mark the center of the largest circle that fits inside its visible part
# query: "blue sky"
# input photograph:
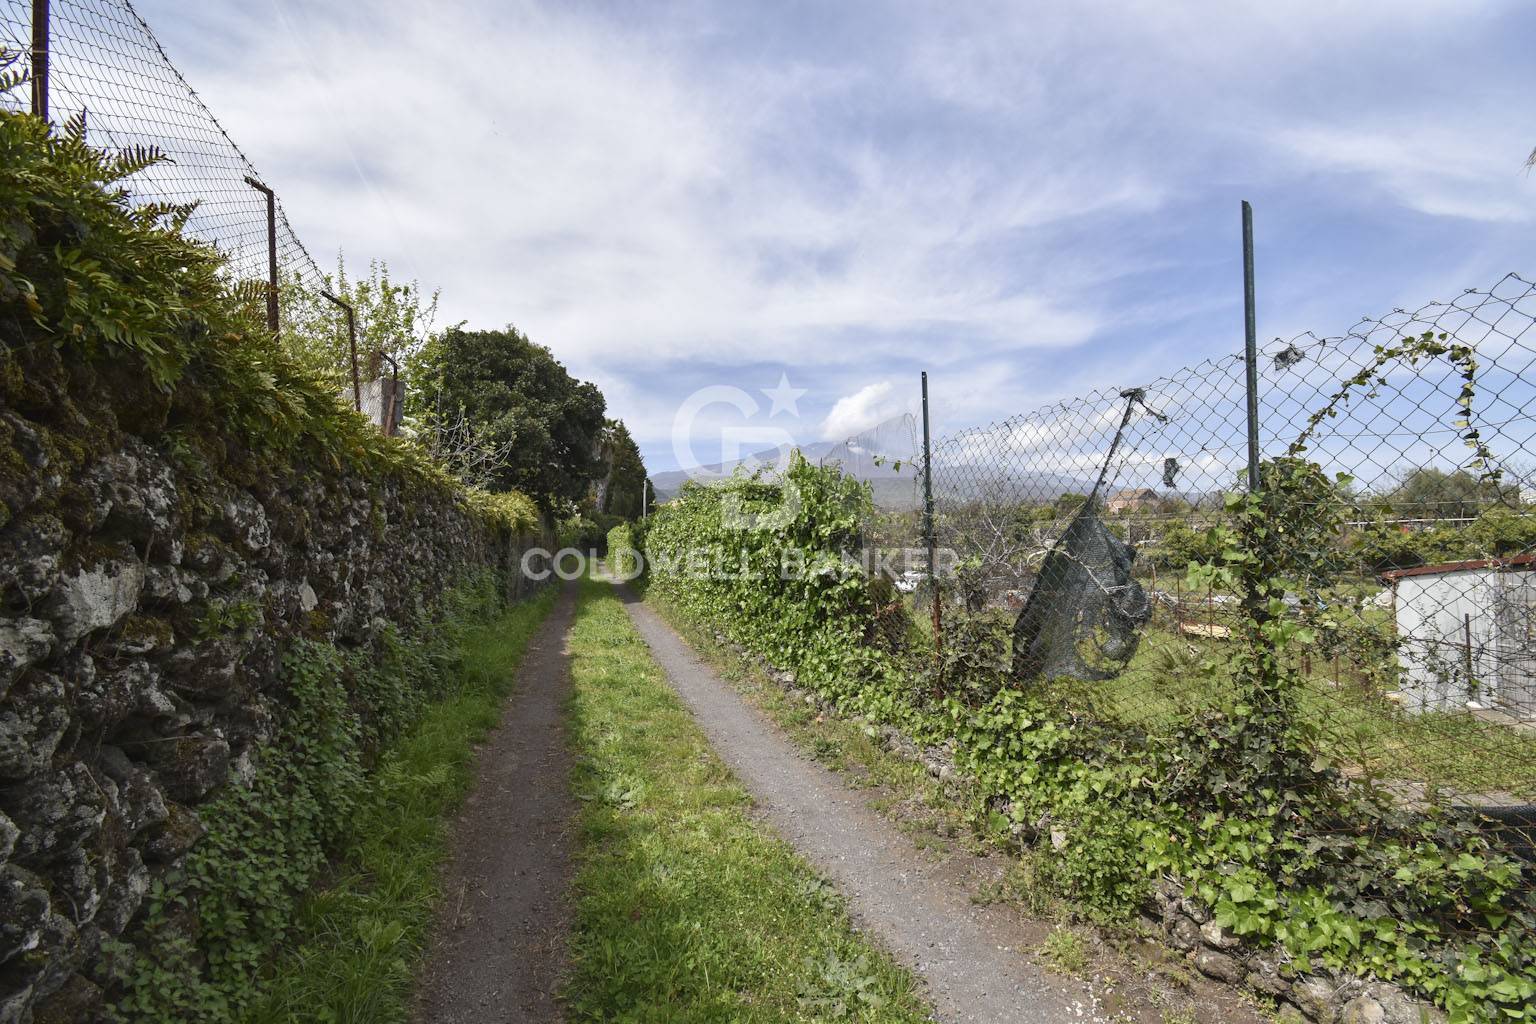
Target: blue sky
(1029, 201)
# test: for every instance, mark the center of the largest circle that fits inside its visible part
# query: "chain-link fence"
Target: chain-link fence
(1075, 528)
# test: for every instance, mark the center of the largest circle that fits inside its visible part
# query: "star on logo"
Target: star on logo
(784, 397)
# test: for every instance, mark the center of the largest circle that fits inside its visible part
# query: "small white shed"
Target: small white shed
(1468, 635)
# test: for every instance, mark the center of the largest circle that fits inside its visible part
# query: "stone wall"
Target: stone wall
(150, 579)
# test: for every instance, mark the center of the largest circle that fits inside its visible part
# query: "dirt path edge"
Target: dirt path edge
(499, 948)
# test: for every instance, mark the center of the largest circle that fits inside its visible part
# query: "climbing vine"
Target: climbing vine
(1235, 802)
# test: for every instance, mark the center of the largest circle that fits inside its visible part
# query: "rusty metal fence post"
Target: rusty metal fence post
(357, 387)
(272, 312)
(40, 58)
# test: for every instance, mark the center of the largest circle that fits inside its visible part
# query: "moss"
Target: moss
(88, 552)
(147, 629)
(316, 622)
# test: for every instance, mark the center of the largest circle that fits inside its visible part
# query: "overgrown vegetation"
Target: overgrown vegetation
(1232, 800)
(394, 317)
(117, 325)
(624, 544)
(619, 489)
(99, 291)
(685, 910)
(367, 755)
(355, 942)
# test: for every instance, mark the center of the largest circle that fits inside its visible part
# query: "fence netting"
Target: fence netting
(1075, 526)
(106, 66)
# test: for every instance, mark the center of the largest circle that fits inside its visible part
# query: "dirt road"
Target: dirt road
(499, 950)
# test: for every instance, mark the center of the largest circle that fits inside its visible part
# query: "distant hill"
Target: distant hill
(892, 488)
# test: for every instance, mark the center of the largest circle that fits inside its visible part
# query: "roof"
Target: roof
(1513, 562)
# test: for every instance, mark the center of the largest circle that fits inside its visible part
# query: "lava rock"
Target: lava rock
(171, 839)
(33, 719)
(1219, 966)
(1183, 934)
(1315, 998)
(56, 811)
(1218, 937)
(95, 598)
(190, 767)
(23, 643)
(31, 550)
(24, 907)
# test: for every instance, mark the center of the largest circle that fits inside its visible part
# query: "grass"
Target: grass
(1356, 725)
(358, 940)
(1066, 952)
(686, 909)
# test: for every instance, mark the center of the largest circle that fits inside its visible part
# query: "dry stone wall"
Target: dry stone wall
(150, 581)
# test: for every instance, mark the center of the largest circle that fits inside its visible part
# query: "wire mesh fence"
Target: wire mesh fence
(101, 67)
(105, 65)
(1074, 528)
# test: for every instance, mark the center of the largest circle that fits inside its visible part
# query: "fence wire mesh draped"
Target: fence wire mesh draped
(1074, 527)
(104, 63)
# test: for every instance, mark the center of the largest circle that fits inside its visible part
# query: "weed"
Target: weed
(1066, 952)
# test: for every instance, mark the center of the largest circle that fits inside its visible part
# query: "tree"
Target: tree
(396, 318)
(518, 397)
(1428, 493)
(619, 489)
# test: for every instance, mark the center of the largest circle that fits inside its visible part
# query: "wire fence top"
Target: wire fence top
(106, 65)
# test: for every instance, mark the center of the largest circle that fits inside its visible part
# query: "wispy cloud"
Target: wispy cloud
(1024, 200)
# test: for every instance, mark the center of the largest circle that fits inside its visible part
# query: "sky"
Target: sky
(803, 205)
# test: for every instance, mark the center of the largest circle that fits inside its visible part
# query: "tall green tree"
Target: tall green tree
(620, 488)
(517, 396)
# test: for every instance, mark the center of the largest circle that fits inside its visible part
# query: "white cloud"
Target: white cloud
(674, 193)
(863, 409)
(1444, 170)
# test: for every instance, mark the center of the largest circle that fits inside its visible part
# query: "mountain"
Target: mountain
(893, 488)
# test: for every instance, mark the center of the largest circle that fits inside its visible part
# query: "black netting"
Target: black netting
(1084, 615)
(1078, 523)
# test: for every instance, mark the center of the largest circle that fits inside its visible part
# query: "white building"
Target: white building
(1468, 635)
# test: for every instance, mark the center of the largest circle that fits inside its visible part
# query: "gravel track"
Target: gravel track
(968, 955)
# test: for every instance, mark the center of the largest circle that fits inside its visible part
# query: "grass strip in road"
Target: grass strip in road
(359, 940)
(687, 909)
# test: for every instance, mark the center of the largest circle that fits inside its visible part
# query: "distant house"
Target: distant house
(1137, 500)
(1468, 635)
